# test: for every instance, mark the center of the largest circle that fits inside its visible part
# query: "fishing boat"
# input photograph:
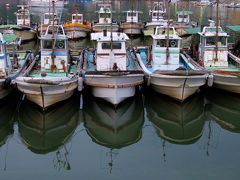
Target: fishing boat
(24, 29)
(183, 21)
(214, 56)
(11, 67)
(105, 21)
(177, 123)
(51, 78)
(47, 19)
(132, 26)
(77, 28)
(110, 69)
(167, 70)
(44, 132)
(157, 18)
(114, 128)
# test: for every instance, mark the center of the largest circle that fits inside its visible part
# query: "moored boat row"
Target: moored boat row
(114, 71)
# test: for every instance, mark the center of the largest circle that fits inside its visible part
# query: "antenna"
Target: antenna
(53, 41)
(217, 24)
(168, 27)
(111, 27)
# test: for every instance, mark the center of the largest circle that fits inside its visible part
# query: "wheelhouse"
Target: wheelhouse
(212, 44)
(23, 16)
(165, 56)
(54, 50)
(111, 51)
(77, 18)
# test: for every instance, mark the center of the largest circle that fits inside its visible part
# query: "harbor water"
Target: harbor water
(149, 136)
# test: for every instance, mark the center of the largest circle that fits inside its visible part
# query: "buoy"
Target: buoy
(210, 80)
(80, 83)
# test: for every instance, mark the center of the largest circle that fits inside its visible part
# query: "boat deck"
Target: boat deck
(230, 68)
(36, 72)
(143, 54)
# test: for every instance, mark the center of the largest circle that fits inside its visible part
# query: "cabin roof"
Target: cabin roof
(184, 12)
(56, 36)
(129, 11)
(211, 31)
(115, 36)
(193, 30)
(164, 36)
(234, 28)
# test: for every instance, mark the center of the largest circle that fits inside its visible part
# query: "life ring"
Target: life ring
(173, 43)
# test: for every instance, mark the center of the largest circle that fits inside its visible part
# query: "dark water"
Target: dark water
(147, 137)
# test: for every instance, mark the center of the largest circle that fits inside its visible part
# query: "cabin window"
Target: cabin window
(132, 14)
(60, 44)
(163, 43)
(183, 16)
(105, 15)
(47, 44)
(75, 17)
(156, 14)
(211, 41)
(114, 46)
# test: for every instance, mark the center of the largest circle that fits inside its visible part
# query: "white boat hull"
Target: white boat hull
(113, 89)
(229, 83)
(46, 94)
(132, 31)
(76, 34)
(177, 87)
(101, 27)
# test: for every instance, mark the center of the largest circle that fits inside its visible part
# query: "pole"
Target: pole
(168, 29)
(53, 33)
(217, 24)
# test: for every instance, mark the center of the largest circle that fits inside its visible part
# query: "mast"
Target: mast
(53, 39)
(111, 26)
(24, 16)
(168, 29)
(217, 24)
(49, 10)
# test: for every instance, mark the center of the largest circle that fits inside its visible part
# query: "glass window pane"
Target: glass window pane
(60, 44)
(47, 44)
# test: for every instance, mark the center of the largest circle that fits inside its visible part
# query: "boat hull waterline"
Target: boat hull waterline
(46, 91)
(113, 89)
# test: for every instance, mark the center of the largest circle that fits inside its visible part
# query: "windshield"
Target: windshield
(105, 15)
(59, 44)
(114, 46)
(211, 41)
(163, 42)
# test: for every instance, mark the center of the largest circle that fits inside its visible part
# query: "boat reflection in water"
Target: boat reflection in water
(225, 109)
(178, 123)
(114, 128)
(7, 107)
(44, 132)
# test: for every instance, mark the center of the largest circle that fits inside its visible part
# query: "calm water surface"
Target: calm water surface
(147, 137)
